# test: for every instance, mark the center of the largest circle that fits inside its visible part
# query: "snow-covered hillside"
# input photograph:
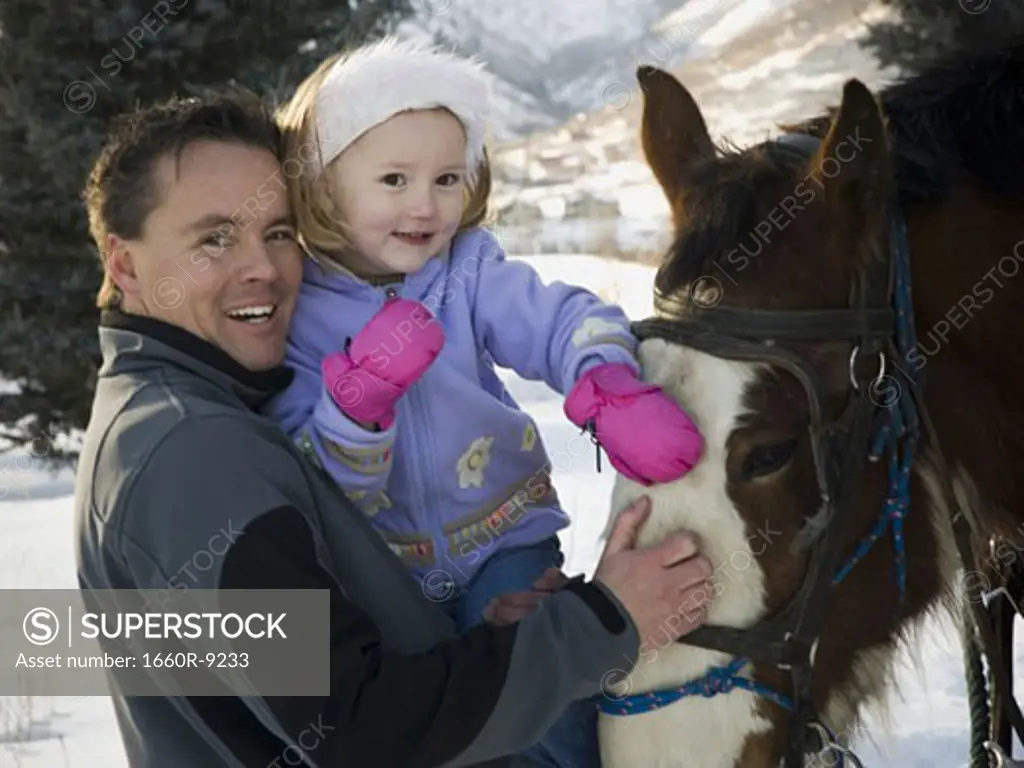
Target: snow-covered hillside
(550, 59)
(751, 64)
(553, 61)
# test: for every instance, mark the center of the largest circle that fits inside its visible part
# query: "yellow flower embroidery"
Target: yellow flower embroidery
(470, 465)
(373, 506)
(529, 437)
(379, 502)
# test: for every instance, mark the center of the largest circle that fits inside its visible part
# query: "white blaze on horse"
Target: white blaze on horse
(837, 313)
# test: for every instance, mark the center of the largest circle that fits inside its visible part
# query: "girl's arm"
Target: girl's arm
(552, 332)
(357, 458)
(584, 349)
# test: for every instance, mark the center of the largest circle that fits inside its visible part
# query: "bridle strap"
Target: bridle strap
(824, 562)
(774, 640)
(790, 324)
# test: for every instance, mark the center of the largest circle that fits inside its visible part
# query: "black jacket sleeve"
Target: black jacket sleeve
(390, 709)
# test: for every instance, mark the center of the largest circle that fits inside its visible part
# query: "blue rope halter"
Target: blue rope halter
(899, 430)
(718, 680)
(896, 435)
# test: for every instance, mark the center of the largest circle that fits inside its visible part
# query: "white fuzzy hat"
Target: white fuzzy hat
(379, 80)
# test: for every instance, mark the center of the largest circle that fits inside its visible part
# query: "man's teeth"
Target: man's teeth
(258, 313)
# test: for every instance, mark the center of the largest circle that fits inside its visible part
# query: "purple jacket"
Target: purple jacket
(463, 471)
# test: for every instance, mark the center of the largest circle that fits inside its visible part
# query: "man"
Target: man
(187, 207)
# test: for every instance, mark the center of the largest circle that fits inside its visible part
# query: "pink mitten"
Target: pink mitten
(647, 436)
(385, 358)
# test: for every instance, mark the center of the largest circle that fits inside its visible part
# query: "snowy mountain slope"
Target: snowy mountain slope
(751, 64)
(550, 59)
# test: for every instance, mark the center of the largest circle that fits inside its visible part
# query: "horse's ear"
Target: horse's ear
(852, 166)
(673, 132)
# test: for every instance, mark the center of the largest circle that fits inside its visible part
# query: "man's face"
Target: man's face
(218, 254)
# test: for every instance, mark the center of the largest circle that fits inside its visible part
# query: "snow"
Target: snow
(928, 726)
(552, 60)
(737, 21)
(546, 56)
(750, 64)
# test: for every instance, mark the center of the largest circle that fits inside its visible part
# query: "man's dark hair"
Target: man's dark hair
(120, 192)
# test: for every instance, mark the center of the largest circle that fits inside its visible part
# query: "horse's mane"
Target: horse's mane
(963, 114)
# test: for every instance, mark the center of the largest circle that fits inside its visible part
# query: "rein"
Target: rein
(865, 431)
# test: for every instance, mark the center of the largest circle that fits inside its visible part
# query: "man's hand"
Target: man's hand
(511, 607)
(664, 587)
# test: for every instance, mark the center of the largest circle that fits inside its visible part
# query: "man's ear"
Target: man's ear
(120, 265)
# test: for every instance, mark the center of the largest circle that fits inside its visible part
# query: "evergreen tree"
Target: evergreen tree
(930, 29)
(67, 68)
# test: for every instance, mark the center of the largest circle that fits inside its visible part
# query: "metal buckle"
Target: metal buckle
(1003, 760)
(853, 361)
(812, 652)
(988, 597)
(831, 746)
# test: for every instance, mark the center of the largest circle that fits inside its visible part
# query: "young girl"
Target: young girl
(406, 307)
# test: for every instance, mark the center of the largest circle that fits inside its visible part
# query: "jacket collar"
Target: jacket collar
(134, 343)
(323, 271)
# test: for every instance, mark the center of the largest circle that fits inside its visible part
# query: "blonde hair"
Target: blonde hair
(321, 228)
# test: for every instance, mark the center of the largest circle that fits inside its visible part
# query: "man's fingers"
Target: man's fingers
(512, 607)
(678, 547)
(690, 573)
(697, 596)
(695, 618)
(516, 601)
(550, 580)
(627, 526)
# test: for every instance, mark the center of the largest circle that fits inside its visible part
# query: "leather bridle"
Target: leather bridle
(840, 448)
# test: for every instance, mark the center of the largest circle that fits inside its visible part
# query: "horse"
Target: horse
(836, 313)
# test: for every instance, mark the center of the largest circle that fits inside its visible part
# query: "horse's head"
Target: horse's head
(774, 320)
(778, 226)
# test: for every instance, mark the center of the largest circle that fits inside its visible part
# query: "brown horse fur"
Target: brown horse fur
(776, 232)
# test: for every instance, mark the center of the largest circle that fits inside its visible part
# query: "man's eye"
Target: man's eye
(217, 240)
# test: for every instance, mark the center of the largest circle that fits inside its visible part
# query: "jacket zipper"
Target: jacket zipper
(421, 490)
(411, 433)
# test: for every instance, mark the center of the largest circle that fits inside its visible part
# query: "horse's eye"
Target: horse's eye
(766, 459)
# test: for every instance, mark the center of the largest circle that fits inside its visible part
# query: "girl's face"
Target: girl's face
(400, 187)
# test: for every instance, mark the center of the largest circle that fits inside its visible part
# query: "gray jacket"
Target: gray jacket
(176, 454)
